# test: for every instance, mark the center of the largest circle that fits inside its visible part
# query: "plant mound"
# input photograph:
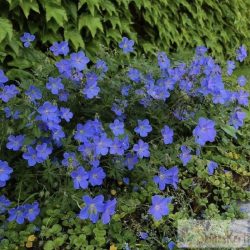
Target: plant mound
(98, 154)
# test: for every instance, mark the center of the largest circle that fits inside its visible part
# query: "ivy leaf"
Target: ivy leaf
(92, 23)
(55, 11)
(6, 29)
(75, 37)
(109, 7)
(28, 5)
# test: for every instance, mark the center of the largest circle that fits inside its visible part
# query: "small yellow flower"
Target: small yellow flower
(112, 247)
(113, 192)
(119, 183)
(29, 244)
(31, 238)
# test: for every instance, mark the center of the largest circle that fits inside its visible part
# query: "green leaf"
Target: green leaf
(109, 7)
(21, 63)
(56, 229)
(92, 23)
(81, 3)
(28, 5)
(55, 11)
(230, 130)
(14, 74)
(6, 29)
(75, 37)
(49, 245)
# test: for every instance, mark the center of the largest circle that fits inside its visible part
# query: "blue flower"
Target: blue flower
(163, 61)
(230, 67)
(100, 64)
(167, 177)
(125, 90)
(91, 78)
(158, 92)
(17, 214)
(5, 171)
(49, 112)
(54, 85)
(211, 166)
(78, 60)
(143, 128)
(27, 38)
(204, 131)
(63, 96)
(134, 75)
(159, 206)
(171, 245)
(116, 147)
(4, 204)
(185, 155)
(66, 114)
(69, 159)
(211, 84)
(31, 211)
(167, 134)
(82, 133)
(126, 180)
(200, 50)
(61, 48)
(91, 90)
(108, 211)
(125, 142)
(96, 176)
(80, 178)
(117, 127)
(43, 151)
(142, 149)
(242, 97)
(186, 85)
(126, 45)
(3, 78)
(241, 53)
(58, 134)
(143, 235)
(237, 118)
(64, 67)
(242, 80)
(31, 157)
(34, 93)
(15, 142)
(8, 92)
(131, 160)
(87, 150)
(102, 144)
(93, 208)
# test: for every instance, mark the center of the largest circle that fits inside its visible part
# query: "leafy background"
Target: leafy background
(164, 24)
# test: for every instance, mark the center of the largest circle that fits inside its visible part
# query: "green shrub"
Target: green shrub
(220, 25)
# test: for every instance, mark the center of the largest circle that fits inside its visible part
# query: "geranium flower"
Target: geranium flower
(126, 45)
(204, 131)
(80, 178)
(167, 177)
(159, 207)
(93, 208)
(143, 128)
(142, 149)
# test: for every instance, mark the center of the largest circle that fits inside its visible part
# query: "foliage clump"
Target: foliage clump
(102, 153)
